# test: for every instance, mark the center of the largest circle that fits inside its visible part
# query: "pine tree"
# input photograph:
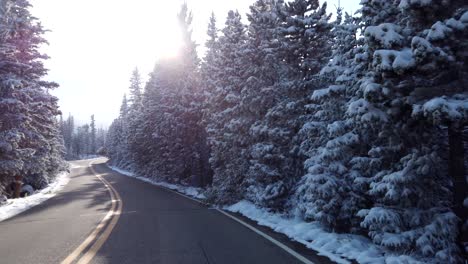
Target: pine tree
(210, 68)
(135, 90)
(124, 107)
(193, 137)
(172, 110)
(134, 119)
(327, 192)
(144, 147)
(268, 173)
(225, 137)
(303, 31)
(29, 137)
(101, 138)
(438, 45)
(93, 146)
(156, 125)
(402, 154)
(67, 130)
(116, 143)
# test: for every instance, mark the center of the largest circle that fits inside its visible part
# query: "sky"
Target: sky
(94, 45)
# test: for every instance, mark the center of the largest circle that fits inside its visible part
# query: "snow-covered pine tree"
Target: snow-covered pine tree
(209, 70)
(267, 178)
(116, 146)
(124, 107)
(29, 137)
(172, 112)
(92, 135)
(225, 137)
(209, 65)
(165, 132)
(306, 32)
(82, 140)
(114, 142)
(326, 192)
(409, 58)
(135, 91)
(67, 130)
(303, 31)
(101, 141)
(134, 119)
(144, 148)
(195, 161)
(439, 46)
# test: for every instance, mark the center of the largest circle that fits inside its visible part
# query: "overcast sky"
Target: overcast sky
(95, 45)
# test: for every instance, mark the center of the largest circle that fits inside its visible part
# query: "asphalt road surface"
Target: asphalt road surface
(104, 217)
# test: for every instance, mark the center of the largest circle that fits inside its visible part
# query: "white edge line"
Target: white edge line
(267, 237)
(183, 195)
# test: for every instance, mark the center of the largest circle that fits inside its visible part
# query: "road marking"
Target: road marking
(183, 195)
(113, 216)
(88, 256)
(267, 237)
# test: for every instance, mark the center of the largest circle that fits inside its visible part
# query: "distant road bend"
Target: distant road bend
(104, 217)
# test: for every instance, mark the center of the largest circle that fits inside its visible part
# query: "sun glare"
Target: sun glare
(169, 45)
(159, 37)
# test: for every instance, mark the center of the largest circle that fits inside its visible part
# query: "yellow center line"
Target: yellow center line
(113, 216)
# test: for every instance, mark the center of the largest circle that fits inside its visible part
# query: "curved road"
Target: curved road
(155, 226)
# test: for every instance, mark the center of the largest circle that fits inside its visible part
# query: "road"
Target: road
(116, 219)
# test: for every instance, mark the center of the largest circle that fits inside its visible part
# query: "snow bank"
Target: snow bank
(337, 247)
(188, 190)
(16, 206)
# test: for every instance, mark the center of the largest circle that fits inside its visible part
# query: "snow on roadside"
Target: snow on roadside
(16, 206)
(187, 190)
(332, 245)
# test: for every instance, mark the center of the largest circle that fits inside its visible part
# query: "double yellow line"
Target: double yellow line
(89, 248)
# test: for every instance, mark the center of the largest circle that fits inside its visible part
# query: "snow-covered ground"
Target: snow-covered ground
(16, 206)
(337, 247)
(187, 190)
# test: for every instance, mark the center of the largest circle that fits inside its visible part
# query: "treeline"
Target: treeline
(31, 147)
(355, 123)
(82, 141)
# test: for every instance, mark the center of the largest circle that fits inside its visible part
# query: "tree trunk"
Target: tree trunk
(18, 185)
(457, 172)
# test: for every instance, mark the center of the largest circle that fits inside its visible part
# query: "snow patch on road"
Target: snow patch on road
(187, 190)
(16, 206)
(332, 245)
